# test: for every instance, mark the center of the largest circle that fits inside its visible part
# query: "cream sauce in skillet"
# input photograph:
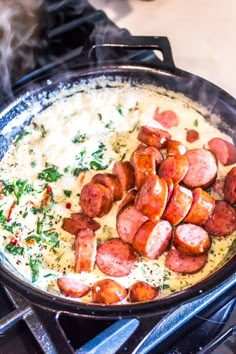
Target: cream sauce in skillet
(63, 147)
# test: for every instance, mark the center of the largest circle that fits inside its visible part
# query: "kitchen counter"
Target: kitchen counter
(201, 32)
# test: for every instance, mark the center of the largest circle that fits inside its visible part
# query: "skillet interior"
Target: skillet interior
(215, 100)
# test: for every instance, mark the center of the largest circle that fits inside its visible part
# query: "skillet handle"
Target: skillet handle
(138, 44)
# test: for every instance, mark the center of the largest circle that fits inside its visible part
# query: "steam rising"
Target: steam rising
(19, 30)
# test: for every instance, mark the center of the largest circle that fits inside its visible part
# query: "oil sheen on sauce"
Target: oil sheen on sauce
(58, 152)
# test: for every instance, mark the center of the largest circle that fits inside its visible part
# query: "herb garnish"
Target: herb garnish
(195, 123)
(80, 138)
(34, 265)
(15, 250)
(50, 174)
(18, 187)
(20, 137)
(67, 193)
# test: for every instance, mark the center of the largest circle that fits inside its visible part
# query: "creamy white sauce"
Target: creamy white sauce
(101, 123)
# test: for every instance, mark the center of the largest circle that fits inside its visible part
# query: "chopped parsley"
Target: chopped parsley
(195, 123)
(34, 265)
(50, 174)
(15, 250)
(18, 187)
(6, 225)
(80, 138)
(20, 137)
(67, 193)
(120, 110)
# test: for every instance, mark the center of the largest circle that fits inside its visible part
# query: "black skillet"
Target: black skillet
(159, 72)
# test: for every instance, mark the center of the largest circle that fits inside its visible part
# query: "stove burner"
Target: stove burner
(72, 26)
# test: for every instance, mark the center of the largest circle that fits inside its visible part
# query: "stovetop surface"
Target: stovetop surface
(29, 329)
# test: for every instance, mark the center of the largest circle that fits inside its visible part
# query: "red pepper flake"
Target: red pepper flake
(136, 108)
(14, 242)
(68, 205)
(10, 212)
(192, 136)
(18, 261)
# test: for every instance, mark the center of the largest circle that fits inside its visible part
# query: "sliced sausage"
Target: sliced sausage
(144, 167)
(178, 205)
(192, 136)
(153, 238)
(116, 258)
(167, 119)
(141, 291)
(224, 151)
(150, 150)
(153, 136)
(79, 222)
(191, 240)
(108, 291)
(72, 287)
(170, 186)
(230, 186)
(175, 147)
(110, 181)
(125, 173)
(202, 168)
(174, 167)
(128, 222)
(217, 188)
(222, 221)
(179, 263)
(151, 198)
(127, 200)
(201, 208)
(85, 251)
(95, 200)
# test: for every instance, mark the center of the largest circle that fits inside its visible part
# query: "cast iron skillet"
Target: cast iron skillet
(162, 73)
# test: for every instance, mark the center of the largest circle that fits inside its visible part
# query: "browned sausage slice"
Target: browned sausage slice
(222, 221)
(110, 181)
(170, 185)
(128, 222)
(224, 151)
(78, 222)
(218, 188)
(116, 258)
(230, 186)
(153, 238)
(74, 226)
(150, 150)
(202, 168)
(72, 287)
(175, 147)
(95, 200)
(141, 291)
(85, 251)
(153, 136)
(108, 291)
(144, 167)
(151, 198)
(178, 205)
(179, 263)
(191, 240)
(174, 167)
(201, 208)
(127, 200)
(125, 173)
(167, 119)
